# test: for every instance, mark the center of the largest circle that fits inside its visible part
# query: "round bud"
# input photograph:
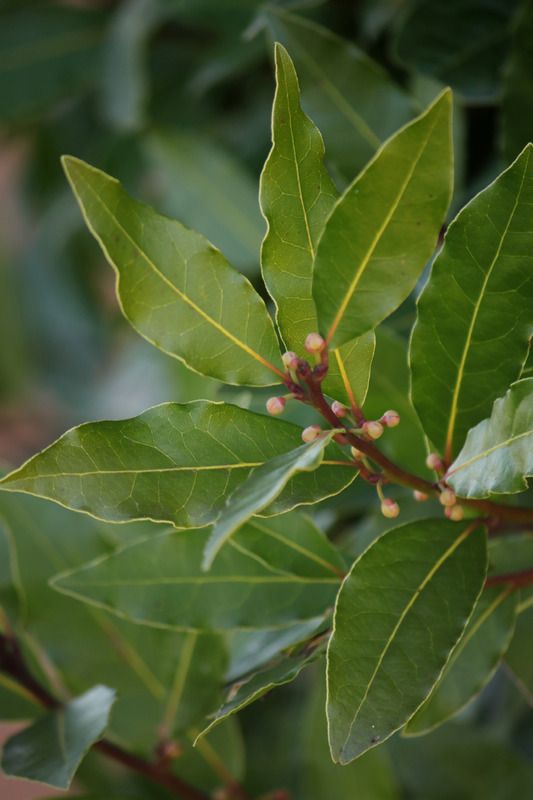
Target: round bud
(434, 462)
(390, 419)
(339, 409)
(275, 405)
(290, 360)
(357, 454)
(454, 513)
(311, 433)
(420, 497)
(314, 343)
(447, 497)
(390, 508)
(373, 429)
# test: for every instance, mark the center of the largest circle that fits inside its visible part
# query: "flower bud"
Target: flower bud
(311, 433)
(290, 360)
(447, 497)
(275, 405)
(390, 508)
(390, 419)
(455, 513)
(420, 497)
(339, 409)
(373, 429)
(357, 454)
(314, 343)
(434, 462)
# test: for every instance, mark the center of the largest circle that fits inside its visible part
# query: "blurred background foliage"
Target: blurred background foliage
(173, 97)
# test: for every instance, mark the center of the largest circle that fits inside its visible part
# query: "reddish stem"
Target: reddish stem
(517, 579)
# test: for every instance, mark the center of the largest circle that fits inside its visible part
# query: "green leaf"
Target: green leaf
(296, 195)
(349, 370)
(175, 288)
(474, 660)
(384, 227)
(51, 749)
(272, 574)
(284, 670)
(510, 553)
(498, 454)
(173, 463)
(262, 487)
(517, 92)
(460, 42)
(354, 102)
(399, 613)
(145, 665)
(474, 316)
(47, 54)
(209, 190)
(519, 657)
(12, 599)
(389, 388)
(371, 777)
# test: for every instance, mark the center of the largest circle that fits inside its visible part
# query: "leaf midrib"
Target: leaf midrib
(468, 341)
(210, 320)
(377, 238)
(486, 453)
(416, 594)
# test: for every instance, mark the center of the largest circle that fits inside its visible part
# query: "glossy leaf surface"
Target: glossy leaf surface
(474, 660)
(296, 196)
(272, 574)
(399, 613)
(384, 228)
(175, 288)
(498, 454)
(261, 488)
(474, 316)
(351, 98)
(174, 463)
(51, 749)
(349, 370)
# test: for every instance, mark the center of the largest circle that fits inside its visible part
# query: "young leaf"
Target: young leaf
(349, 370)
(262, 486)
(175, 288)
(51, 749)
(354, 102)
(399, 614)
(265, 578)
(384, 228)
(474, 316)
(173, 463)
(497, 456)
(296, 195)
(284, 670)
(474, 660)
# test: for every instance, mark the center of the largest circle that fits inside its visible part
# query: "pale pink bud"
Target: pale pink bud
(434, 462)
(390, 508)
(447, 497)
(357, 454)
(290, 360)
(454, 513)
(390, 419)
(311, 433)
(314, 343)
(275, 405)
(420, 497)
(373, 429)
(339, 409)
